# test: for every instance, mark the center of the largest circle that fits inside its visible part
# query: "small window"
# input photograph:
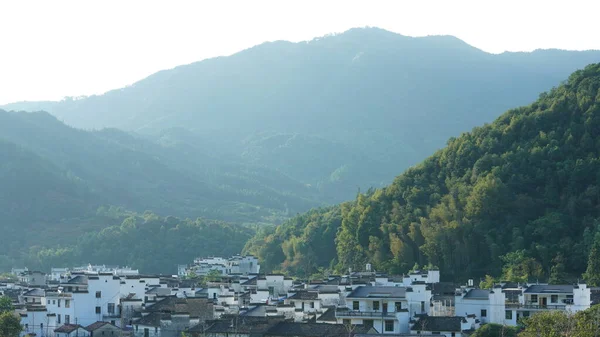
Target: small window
(26, 326)
(59, 303)
(375, 305)
(508, 314)
(98, 294)
(389, 325)
(98, 310)
(398, 306)
(58, 318)
(67, 319)
(453, 334)
(312, 305)
(483, 313)
(355, 305)
(534, 298)
(67, 303)
(155, 329)
(553, 298)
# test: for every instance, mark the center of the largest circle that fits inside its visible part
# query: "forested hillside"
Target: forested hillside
(165, 177)
(148, 242)
(54, 178)
(523, 189)
(338, 113)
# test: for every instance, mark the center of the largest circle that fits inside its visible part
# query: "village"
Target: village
(238, 300)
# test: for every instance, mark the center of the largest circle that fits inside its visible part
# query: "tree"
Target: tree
(5, 304)
(557, 272)
(588, 322)
(592, 273)
(518, 267)
(495, 330)
(488, 283)
(548, 324)
(10, 325)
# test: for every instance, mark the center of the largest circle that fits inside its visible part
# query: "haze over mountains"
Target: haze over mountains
(260, 135)
(338, 112)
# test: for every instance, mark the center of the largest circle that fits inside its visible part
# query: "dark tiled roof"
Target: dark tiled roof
(312, 330)
(36, 292)
(159, 291)
(250, 282)
(478, 294)
(328, 316)
(304, 295)
(242, 324)
(152, 319)
(375, 292)
(98, 325)
(438, 323)
(68, 328)
(194, 306)
(550, 289)
(79, 279)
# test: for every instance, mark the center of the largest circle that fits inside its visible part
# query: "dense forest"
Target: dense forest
(524, 189)
(148, 242)
(337, 113)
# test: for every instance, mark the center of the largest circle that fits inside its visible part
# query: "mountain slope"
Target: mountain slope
(358, 106)
(527, 183)
(129, 171)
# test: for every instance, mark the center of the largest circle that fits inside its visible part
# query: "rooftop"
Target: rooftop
(378, 292)
(549, 289)
(68, 328)
(438, 323)
(478, 294)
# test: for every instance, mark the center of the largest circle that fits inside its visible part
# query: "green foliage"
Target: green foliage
(5, 304)
(520, 268)
(584, 323)
(557, 272)
(57, 181)
(487, 283)
(10, 324)
(505, 198)
(495, 330)
(148, 242)
(592, 273)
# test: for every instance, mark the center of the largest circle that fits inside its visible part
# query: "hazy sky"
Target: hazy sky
(52, 49)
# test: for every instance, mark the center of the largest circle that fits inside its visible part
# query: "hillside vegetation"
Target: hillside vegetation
(337, 113)
(525, 188)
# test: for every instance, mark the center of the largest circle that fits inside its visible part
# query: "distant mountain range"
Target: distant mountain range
(338, 112)
(261, 135)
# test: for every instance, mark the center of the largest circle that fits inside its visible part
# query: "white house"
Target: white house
(386, 309)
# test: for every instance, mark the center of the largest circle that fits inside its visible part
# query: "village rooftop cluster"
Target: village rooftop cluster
(237, 300)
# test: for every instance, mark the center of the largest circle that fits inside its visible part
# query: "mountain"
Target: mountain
(519, 197)
(338, 113)
(169, 178)
(55, 179)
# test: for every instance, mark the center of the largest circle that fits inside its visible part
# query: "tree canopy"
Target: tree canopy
(506, 198)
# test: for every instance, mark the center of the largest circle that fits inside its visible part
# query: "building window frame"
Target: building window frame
(389, 325)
